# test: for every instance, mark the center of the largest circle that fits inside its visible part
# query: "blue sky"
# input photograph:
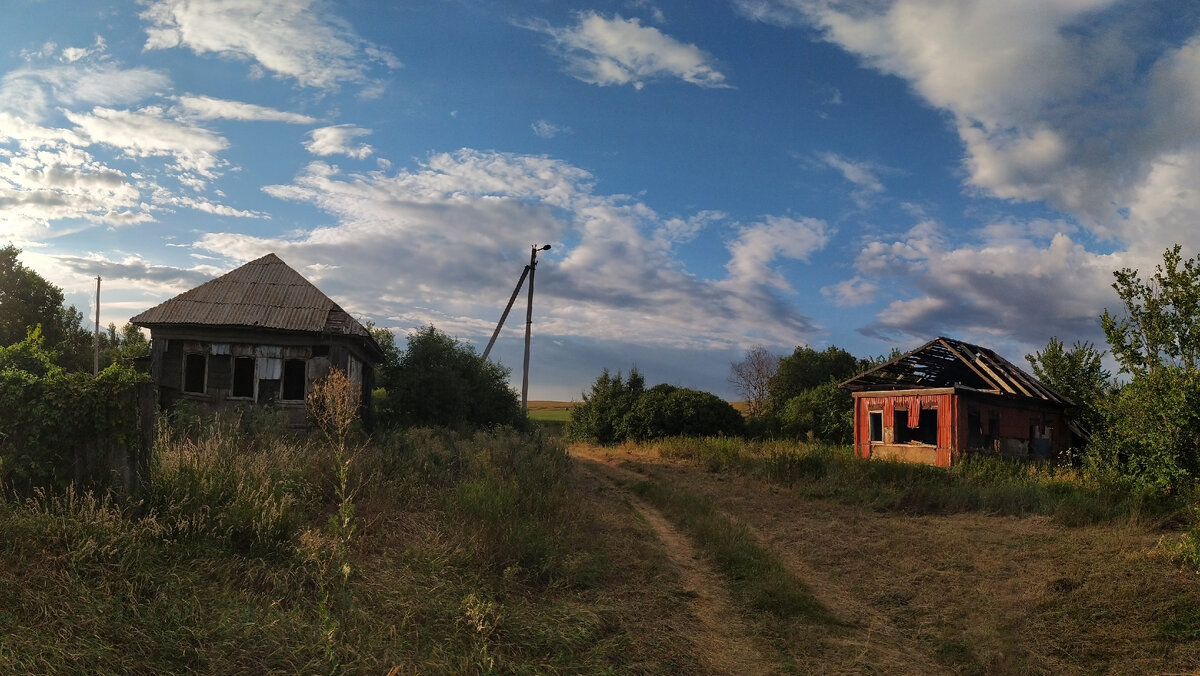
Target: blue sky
(712, 176)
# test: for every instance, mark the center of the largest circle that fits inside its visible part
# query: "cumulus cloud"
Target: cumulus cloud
(1069, 103)
(338, 140)
(209, 108)
(1060, 101)
(1005, 285)
(851, 292)
(466, 219)
(619, 51)
(298, 39)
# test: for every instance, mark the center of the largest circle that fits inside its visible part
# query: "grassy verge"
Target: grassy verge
(979, 484)
(254, 552)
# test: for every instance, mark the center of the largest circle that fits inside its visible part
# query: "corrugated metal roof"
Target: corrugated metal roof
(945, 362)
(264, 294)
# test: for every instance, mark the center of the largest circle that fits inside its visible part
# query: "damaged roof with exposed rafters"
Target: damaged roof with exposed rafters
(945, 362)
(262, 294)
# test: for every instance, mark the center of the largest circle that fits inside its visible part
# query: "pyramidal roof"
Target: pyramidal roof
(262, 294)
(946, 362)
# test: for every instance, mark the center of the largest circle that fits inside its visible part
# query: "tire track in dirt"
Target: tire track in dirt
(720, 638)
(871, 641)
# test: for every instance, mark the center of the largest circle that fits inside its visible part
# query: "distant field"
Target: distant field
(551, 411)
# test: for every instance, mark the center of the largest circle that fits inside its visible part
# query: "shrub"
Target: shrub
(617, 410)
(441, 381)
(52, 419)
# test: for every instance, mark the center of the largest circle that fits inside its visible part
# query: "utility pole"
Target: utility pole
(527, 272)
(96, 335)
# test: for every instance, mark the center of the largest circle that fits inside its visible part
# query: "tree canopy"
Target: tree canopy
(1159, 328)
(27, 300)
(441, 381)
(1077, 373)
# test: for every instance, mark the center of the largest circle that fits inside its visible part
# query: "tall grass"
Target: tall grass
(985, 484)
(460, 555)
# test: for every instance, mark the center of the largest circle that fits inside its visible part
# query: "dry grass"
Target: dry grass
(965, 592)
(467, 555)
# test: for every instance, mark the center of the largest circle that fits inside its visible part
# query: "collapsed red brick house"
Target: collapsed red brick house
(947, 398)
(261, 333)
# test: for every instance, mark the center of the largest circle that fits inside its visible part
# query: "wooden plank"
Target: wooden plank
(969, 364)
(1004, 382)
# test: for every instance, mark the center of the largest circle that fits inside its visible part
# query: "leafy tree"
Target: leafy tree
(752, 377)
(1078, 374)
(28, 300)
(807, 368)
(601, 416)
(29, 356)
(825, 412)
(1149, 440)
(1150, 436)
(442, 382)
(1159, 329)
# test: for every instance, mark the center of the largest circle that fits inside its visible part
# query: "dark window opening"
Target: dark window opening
(926, 433)
(875, 424)
(293, 380)
(194, 367)
(243, 377)
(974, 428)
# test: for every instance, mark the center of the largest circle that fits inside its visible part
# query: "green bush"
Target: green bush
(623, 410)
(442, 382)
(52, 417)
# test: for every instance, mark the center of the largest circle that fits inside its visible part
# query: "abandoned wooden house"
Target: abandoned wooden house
(261, 333)
(948, 398)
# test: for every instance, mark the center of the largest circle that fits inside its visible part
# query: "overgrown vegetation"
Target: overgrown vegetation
(979, 484)
(423, 549)
(52, 419)
(618, 409)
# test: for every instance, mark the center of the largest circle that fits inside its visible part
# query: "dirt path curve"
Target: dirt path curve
(720, 638)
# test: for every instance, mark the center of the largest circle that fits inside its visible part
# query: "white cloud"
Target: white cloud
(146, 133)
(851, 292)
(545, 129)
(453, 234)
(621, 51)
(759, 244)
(297, 39)
(1005, 285)
(47, 179)
(31, 92)
(209, 108)
(338, 140)
(1058, 101)
(861, 174)
(73, 54)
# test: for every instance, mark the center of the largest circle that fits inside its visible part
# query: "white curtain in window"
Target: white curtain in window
(268, 369)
